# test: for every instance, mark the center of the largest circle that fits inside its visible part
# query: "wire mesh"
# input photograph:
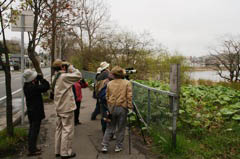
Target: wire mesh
(155, 106)
(88, 75)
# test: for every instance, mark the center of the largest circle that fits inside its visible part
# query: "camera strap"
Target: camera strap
(55, 81)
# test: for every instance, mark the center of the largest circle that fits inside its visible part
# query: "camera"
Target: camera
(130, 70)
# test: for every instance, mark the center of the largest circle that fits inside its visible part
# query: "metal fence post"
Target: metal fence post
(149, 108)
(175, 87)
(22, 64)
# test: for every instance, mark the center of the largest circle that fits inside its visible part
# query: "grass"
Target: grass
(11, 145)
(46, 97)
(221, 143)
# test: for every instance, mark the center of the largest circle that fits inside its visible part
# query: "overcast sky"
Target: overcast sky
(189, 26)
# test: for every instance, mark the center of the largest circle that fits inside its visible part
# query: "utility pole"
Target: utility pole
(22, 62)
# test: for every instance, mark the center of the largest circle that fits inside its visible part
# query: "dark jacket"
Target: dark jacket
(103, 75)
(34, 101)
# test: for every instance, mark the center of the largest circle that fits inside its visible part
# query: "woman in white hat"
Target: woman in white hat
(104, 71)
(33, 88)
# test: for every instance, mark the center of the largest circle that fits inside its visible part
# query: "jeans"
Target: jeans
(104, 109)
(119, 119)
(96, 111)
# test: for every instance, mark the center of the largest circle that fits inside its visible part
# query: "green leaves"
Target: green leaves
(227, 111)
(204, 107)
(236, 117)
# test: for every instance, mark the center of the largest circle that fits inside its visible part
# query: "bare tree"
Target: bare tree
(93, 15)
(39, 8)
(4, 7)
(227, 57)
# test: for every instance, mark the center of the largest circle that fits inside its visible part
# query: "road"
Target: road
(16, 82)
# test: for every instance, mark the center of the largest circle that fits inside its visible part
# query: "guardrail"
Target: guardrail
(158, 108)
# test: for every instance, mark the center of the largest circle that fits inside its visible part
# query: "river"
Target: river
(207, 75)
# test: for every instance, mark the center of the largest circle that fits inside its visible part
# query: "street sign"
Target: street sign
(28, 22)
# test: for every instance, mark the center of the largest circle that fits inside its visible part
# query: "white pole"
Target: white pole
(22, 62)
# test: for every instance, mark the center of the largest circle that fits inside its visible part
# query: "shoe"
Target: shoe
(57, 155)
(104, 149)
(38, 150)
(35, 153)
(71, 156)
(78, 123)
(118, 149)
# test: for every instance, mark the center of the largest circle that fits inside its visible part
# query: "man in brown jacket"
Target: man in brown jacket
(119, 100)
(65, 106)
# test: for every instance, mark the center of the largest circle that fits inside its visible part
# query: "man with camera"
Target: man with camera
(34, 86)
(119, 100)
(65, 106)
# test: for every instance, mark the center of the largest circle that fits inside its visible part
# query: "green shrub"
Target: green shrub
(208, 122)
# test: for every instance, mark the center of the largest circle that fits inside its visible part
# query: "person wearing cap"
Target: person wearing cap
(119, 100)
(65, 106)
(104, 72)
(34, 86)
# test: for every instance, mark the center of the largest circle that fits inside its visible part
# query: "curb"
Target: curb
(16, 118)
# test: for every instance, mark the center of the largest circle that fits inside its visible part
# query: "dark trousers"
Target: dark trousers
(33, 134)
(96, 110)
(104, 109)
(77, 112)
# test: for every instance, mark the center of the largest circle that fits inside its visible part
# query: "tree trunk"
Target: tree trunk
(6, 68)
(31, 51)
(32, 42)
(53, 34)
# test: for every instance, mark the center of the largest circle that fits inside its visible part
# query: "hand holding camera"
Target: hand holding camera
(39, 77)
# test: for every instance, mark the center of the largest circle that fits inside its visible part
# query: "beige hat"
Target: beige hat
(104, 65)
(57, 63)
(29, 75)
(99, 70)
(65, 63)
(118, 72)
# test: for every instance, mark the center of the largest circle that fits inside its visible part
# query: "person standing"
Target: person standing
(77, 91)
(65, 106)
(119, 100)
(33, 88)
(100, 77)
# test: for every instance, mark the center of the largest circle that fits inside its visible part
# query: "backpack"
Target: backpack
(102, 94)
(53, 85)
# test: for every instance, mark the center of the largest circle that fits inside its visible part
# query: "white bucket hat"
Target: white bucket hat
(29, 75)
(104, 65)
(99, 70)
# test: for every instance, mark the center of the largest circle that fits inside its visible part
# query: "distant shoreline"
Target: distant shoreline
(196, 69)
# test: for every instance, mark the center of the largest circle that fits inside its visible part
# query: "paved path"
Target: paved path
(87, 139)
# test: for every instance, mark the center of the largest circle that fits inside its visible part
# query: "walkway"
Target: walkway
(88, 136)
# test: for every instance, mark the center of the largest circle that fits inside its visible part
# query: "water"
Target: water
(207, 75)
